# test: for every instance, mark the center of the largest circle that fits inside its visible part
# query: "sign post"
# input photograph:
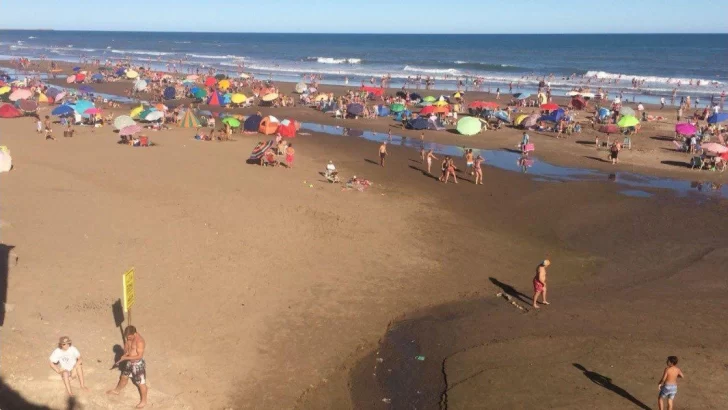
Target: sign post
(128, 289)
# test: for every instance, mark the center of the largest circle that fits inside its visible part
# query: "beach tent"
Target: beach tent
(287, 128)
(502, 115)
(252, 123)
(215, 99)
(382, 110)
(269, 125)
(718, 117)
(469, 126)
(419, 123)
(301, 87)
(520, 119)
(354, 109)
(578, 102)
(6, 161)
(42, 98)
(170, 93)
(434, 124)
(189, 120)
(555, 116)
(530, 121)
(8, 111)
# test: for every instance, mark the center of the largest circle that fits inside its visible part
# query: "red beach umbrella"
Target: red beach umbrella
(210, 81)
(550, 106)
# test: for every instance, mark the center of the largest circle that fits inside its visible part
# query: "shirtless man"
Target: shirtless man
(668, 383)
(48, 130)
(132, 364)
(382, 153)
(539, 283)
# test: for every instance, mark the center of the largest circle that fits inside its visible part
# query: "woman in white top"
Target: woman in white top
(66, 361)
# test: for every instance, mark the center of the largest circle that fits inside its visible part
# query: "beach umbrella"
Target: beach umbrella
(86, 89)
(322, 97)
(396, 107)
(192, 77)
(685, 128)
(5, 89)
(143, 114)
(123, 121)
(429, 98)
(469, 126)
(154, 116)
(626, 111)
(260, 150)
(714, 147)
(502, 115)
(131, 74)
(270, 97)
(135, 111)
(27, 105)
(92, 111)
(415, 96)
(301, 87)
(549, 107)
(8, 111)
(312, 90)
(6, 160)
(443, 109)
(715, 118)
(130, 129)
(42, 98)
(188, 83)
(62, 110)
(97, 77)
(520, 119)
(82, 105)
(140, 85)
(59, 97)
(354, 109)
(20, 94)
(80, 77)
(458, 95)
(199, 93)
(161, 107)
(76, 68)
(252, 123)
(210, 81)
(530, 121)
(169, 93)
(238, 98)
(51, 92)
(223, 84)
(441, 103)
(226, 98)
(189, 120)
(120, 72)
(71, 79)
(204, 113)
(628, 121)
(231, 121)
(609, 129)
(521, 96)
(424, 104)
(603, 112)
(483, 105)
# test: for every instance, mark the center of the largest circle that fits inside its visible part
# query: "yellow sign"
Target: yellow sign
(128, 286)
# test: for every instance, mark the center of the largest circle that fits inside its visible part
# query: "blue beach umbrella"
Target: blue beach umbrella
(82, 105)
(86, 89)
(355, 109)
(52, 92)
(97, 77)
(120, 72)
(62, 110)
(169, 93)
(717, 117)
(603, 112)
(502, 115)
(252, 123)
(415, 96)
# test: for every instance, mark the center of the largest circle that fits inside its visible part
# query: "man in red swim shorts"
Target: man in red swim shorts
(539, 283)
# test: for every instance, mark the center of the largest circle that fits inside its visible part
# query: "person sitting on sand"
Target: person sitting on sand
(668, 383)
(539, 283)
(66, 361)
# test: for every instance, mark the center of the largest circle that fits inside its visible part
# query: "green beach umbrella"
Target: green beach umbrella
(396, 107)
(469, 126)
(200, 93)
(429, 98)
(231, 121)
(628, 121)
(146, 112)
(425, 104)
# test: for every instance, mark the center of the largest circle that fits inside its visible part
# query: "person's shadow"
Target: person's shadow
(606, 382)
(511, 291)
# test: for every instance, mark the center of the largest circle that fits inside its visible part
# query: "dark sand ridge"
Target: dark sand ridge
(653, 152)
(420, 244)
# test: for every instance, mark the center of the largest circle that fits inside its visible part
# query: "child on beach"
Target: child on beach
(668, 383)
(290, 152)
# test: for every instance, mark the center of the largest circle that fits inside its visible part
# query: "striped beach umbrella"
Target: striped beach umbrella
(190, 121)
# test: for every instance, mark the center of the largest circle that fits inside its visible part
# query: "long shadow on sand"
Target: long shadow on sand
(606, 382)
(4, 270)
(425, 173)
(10, 399)
(370, 161)
(676, 163)
(511, 291)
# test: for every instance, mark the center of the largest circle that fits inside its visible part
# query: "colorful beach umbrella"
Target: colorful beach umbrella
(192, 77)
(154, 116)
(469, 126)
(429, 98)
(210, 81)
(130, 129)
(502, 115)
(628, 121)
(82, 105)
(27, 105)
(136, 111)
(530, 121)
(238, 98)
(396, 107)
(223, 84)
(549, 107)
(714, 147)
(140, 85)
(20, 94)
(626, 111)
(62, 110)
(301, 87)
(123, 121)
(685, 128)
(5, 89)
(355, 109)
(322, 97)
(71, 79)
(189, 120)
(521, 96)
(270, 97)
(199, 93)
(92, 111)
(131, 74)
(609, 129)
(231, 121)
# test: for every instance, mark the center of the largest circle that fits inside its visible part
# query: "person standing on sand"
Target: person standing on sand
(66, 361)
(478, 170)
(132, 365)
(382, 153)
(539, 283)
(614, 152)
(430, 156)
(668, 383)
(450, 170)
(469, 162)
(290, 153)
(48, 130)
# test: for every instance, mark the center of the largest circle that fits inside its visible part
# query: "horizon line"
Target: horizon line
(692, 33)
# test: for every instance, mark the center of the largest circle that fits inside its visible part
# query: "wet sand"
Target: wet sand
(259, 291)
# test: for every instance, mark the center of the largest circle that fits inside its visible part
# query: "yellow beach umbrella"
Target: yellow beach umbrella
(42, 98)
(238, 98)
(270, 97)
(136, 111)
(322, 97)
(4, 90)
(441, 103)
(224, 84)
(132, 74)
(520, 118)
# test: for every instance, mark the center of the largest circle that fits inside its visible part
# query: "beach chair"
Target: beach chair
(627, 143)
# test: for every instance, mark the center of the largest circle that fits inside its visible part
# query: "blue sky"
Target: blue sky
(372, 16)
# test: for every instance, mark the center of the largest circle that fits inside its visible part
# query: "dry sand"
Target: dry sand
(258, 291)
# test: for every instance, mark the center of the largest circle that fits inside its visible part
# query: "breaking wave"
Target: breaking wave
(331, 60)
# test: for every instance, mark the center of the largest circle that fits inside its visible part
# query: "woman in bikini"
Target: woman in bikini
(478, 170)
(430, 156)
(450, 171)
(443, 168)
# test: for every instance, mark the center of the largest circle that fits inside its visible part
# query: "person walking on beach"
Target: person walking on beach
(38, 125)
(450, 170)
(290, 153)
(48, 130)
(662, 102)
(614, 152)
(478, 170)
(668, 383)
(539, 283)
(430, 156)
(382, 153)
(132, 365)
(469, 162)
(66, 361)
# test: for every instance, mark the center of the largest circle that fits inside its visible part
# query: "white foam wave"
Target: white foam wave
(140, 52)
(331, 60)
(216, 56)
(31, 37)
(603, 75)
(449, 71)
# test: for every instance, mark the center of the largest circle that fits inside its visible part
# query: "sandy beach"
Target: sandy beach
(263, 288)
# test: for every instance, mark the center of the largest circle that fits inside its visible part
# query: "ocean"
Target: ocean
(695, 65)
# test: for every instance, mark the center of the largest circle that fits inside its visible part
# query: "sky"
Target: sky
(372, 16)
